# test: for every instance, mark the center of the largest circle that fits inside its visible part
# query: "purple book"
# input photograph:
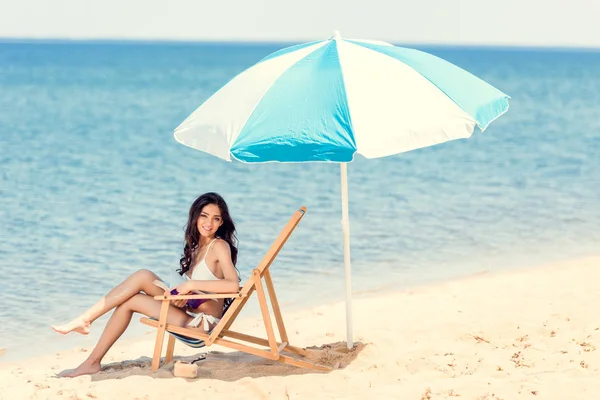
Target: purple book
(193, 303)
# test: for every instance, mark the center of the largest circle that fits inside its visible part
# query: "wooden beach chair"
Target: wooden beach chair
(222, 334)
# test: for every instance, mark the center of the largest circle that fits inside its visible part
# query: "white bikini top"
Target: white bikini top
(201, 272)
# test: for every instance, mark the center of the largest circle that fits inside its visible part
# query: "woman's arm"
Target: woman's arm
(229, 283)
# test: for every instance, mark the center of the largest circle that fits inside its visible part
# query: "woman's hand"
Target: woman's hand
(179, 303)
(182, 289)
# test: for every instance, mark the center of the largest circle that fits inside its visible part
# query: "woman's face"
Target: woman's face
(209, 220)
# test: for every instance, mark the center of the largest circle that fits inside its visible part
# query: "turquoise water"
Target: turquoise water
(93, 185)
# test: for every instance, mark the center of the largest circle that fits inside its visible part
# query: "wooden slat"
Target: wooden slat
(275, 305)
(303, 364)
(228, 318)
(246, 349)
(264, 309)
(235, 312)
(149, 322)
(264, 342)
(199, 296)
(281, 240)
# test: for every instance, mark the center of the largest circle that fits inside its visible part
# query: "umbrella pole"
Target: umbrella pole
(347, 268)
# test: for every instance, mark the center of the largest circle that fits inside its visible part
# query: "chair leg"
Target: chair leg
(275, 304)
(262, 300)
(160, 334)
(157, 350)
(170, 349)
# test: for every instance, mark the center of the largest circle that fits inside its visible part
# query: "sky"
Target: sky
(529, 23)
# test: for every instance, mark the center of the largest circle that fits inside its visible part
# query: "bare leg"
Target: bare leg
(117, 324)
(140, 281)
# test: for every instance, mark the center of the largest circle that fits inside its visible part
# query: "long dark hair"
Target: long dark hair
(192, 237)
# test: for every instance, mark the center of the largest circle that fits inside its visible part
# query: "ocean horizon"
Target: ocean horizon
(283, 43)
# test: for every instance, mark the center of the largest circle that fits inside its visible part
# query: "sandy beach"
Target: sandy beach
(519, 334)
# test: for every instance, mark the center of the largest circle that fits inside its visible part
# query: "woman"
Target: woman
(207, 265)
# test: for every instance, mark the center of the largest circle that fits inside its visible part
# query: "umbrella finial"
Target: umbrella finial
(336, 35)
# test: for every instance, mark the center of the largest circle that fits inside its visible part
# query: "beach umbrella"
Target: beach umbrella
(326, 101)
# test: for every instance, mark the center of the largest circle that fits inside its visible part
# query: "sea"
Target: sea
(93, 185)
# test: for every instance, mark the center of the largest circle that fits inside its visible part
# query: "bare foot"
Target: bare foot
(86, 368)
(77, 325)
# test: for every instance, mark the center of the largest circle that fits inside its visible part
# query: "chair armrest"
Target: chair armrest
(199, 296)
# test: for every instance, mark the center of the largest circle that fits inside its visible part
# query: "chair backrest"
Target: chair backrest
(286, 232)
(235, 307)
